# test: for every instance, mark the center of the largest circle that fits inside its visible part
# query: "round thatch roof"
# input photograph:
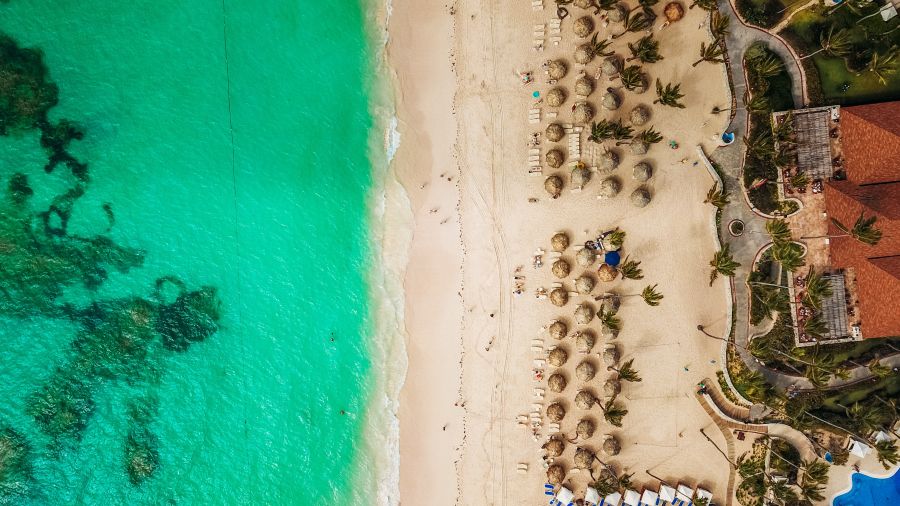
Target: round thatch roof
(583, 113)
(583, 26)
(611, 356)
(585, 428)
(584, 86)
(612, 388)
(617, 15)
(609, 188)
(610, 66)
(584, 342)
(559, 242)
(611, 101)
(556, 97)
(580, 177)
(674, 11)
(639, 148)
(640, 115)
(557, 69)
(642, 172)
(584, 313)
(554, 132)
(610, 302)
(611, 446)
(556, 382)
(641, 86)
(555, 474)
(554, 447)
(558, 330)
(559, 297)
(585, 371)
(584, 458)
(583, 54)
(608, 333)
(585, 257)
(607, 272)
(584, 4)
(640, 197)
(561, 268)
(557, 357)
(555, 158)
(553, 185)
(585, 399)
(584, 284)
(609, 161)
(555, 412)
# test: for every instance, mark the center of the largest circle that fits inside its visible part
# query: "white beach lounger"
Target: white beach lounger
(534, 151)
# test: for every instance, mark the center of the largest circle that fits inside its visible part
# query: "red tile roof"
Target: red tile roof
(870, 138)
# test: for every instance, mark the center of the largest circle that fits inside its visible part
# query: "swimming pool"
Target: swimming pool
(868, 491)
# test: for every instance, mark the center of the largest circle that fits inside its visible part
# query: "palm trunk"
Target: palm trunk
(812, 54)
(697, 62)
(825, 236)
(732, 464)
(837, 426)
(767, 284)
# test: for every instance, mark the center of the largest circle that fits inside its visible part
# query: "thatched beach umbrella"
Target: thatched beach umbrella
(558, 330)
(556, 97)
(556, 382)
(641, 86)
(584, 4)
(561, 268)
(609, 161)
(555, 474)
(555, 158)
(584, 399)
(584, 284)
(611, 446)
(642, 171)
(607, 273)
(559, 242)
(557, 357)
(583, 26)
(617, 15)
(583, 54)
(557, 69)
(555, 412)
(583, 113)
(609, 245)
(584, 313)
(559, 297)
(585, 257)
(640, 197)
(584, 458)
(585, 371)
(640, 115)
(674, 11)
(584, 86)
(553, 185)
(638, 148)
(584, 342)
(580, 177)
(611, 101)
(609, 188)
(611, 356)
(610, 66)
(554, 447)
(610, 302)
(612, 387)
(554, 132)
(585, 428)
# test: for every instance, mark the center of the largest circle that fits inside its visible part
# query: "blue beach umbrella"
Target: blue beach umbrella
(536, 94)
(612, 258)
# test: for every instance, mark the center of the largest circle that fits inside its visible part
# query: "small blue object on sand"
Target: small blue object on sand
(536, 94)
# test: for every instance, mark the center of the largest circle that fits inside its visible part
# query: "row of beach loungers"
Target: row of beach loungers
(667, 496)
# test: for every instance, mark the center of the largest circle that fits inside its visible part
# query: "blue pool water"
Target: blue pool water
(868, 491)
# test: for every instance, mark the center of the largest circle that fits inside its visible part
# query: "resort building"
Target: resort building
(851, 156)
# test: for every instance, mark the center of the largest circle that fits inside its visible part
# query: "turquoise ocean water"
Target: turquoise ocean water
(231, 143)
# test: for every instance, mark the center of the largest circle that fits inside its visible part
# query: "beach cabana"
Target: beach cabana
(584, 342)
(640, 197)
(684, 495)
(559, 297)
(609, 188)
(557, 69)
(612, 387)
(610, 101)
(649, 498)
(555, 474)
(584, 458)
(642, 172)
(553, 185)
(557, 357)
(611, 355)
(556, 97)
(591, 496)
(583, 26)
(584, 313)
(556, 382)
(882, 436)
(584, 284)
(632, 498)
(564, 496)
(555, 412)
(612, 258)
(612, 499)
(611, 446)
(859, 449)
(585, 257)
(585, 428)
(583, 112)
(554, 447)
(584, 86)
(555, 158)
(580, 177)
(585, 371)
(667, 493)
(609, 161)
(704, 494)
(640, 115)
(558, 330)
(584, 399)
(561, 268)
(559, 242)
(610, 66)
(554, 132)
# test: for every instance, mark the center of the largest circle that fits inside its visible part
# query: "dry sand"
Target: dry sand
(489, 329)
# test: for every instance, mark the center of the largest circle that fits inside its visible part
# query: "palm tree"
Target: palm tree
(766, 66)
(668, 95)
(756, 104)
(606, 5)
(759, 144)
(798, 180)
(884, 64)
(601, 130)
(772, 301)
(783, 130)
(712, 53)
(651, 296)
(811, 492)
(778, 231)
(878, 369)
(864, 416)
(631, 77)
(646, 50)
(630, 269)
(814, 470)
(615, 238)
(635, 23)
(718, 25)
(817, 289)
(707, 5)
(648, 136)
(816, 327)
(612, 412)
(627, 372)
(722, 263)
(716, 197)
(863, 230)
(609, 319)
(886, 451)
(833, 44)
(789, 255)
(598, 48)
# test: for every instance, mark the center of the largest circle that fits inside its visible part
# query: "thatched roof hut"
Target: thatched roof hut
(640, 197)
(674, 11)
(611, 66)
(611, 446)
(559, 242)
(607, 273)
(561, 268)
(584, 342)
(580, 177)
(584, 86)
(642, 172)
(557, 69)
(553, 185)
(583, 54)
(584, 284)
(609, 161)
(557, 357)
(583, 113)
(609, 188)
(612, 388)
(610, 302)
(585, 428)
(617, 15)
(584, 458)
(554, 447)
(556, 97)
(555, 412)
(610, 101)
(585, 371)
(558, 330)
(584, 313)
(585, 257)
(638, 147)
(610, 356)
(555, 474)
(583, 26)
(559, 297)
(608, 333)
(640, 115)
(556, 382)
(555, 158)
(554, 132)
(584, 399)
